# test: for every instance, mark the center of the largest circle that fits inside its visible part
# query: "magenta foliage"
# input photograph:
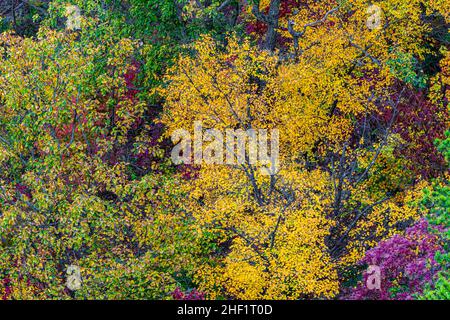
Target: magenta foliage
(130, 78)
(24, 190)
(7, 289)
(188, 172)
(419, 122)
(191, 295)
(406, 264)
(287, 7)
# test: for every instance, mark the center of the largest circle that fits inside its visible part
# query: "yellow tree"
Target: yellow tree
(341, 187)
(270, 229)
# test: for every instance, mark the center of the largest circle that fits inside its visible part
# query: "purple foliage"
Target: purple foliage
(419, 122)
(191, 295)
(406, 264)
(6, 282)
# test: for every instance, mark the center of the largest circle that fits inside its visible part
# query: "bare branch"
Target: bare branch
(258, 14)
(384, 142)
(298, 34)
(355, 221)
(224, 5)
(364, 51)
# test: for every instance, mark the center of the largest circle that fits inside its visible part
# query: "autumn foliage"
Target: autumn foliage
(87, 180)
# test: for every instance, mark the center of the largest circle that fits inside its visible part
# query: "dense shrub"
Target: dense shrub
(407, 264)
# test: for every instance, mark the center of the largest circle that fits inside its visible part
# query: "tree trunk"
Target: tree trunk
(272, 25)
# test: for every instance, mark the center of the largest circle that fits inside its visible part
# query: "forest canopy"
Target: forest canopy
(124, 131)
